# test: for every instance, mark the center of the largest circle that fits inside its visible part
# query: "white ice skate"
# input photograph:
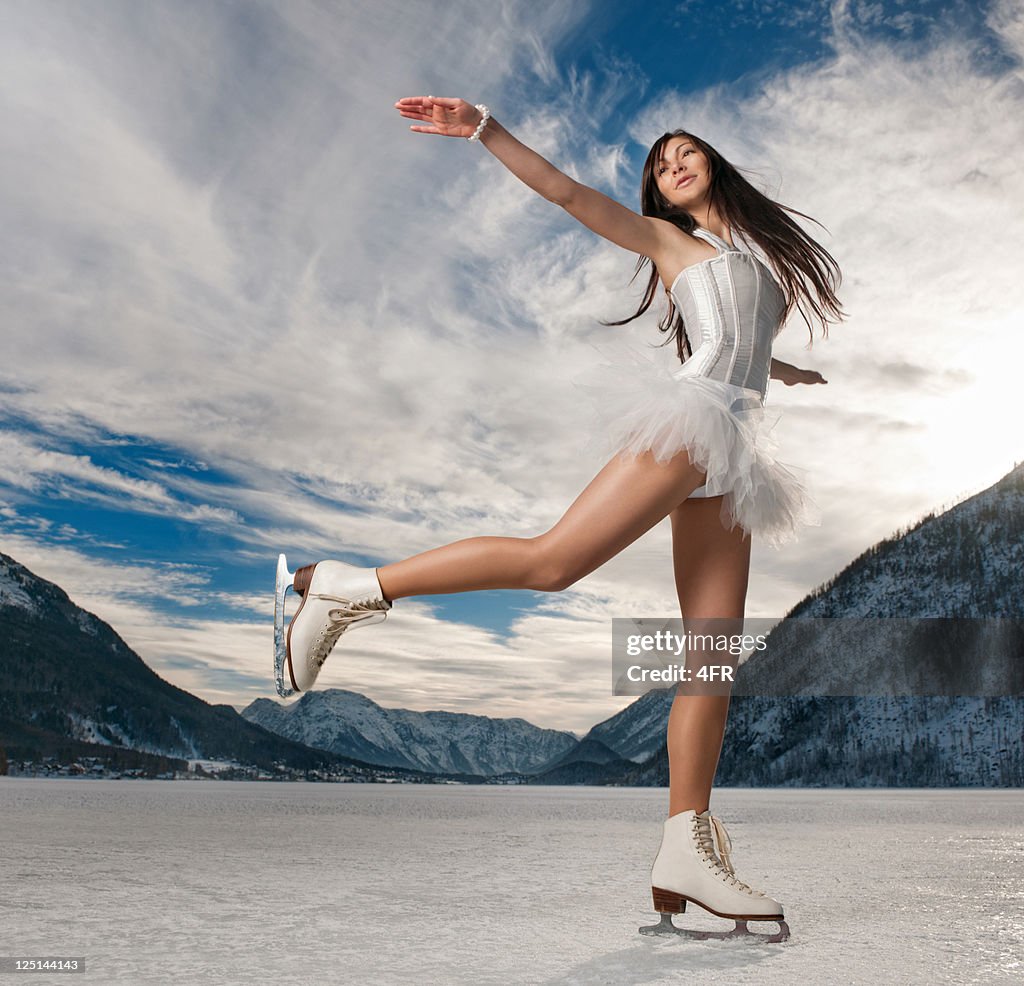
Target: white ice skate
(688, 868)
(335, 596)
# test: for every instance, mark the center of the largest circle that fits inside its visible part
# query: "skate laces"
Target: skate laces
(710, 831)
(342, 617)
(724, 844)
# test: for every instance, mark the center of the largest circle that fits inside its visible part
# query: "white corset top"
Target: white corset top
(732, 308)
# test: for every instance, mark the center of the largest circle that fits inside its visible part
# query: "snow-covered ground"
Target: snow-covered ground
(231, 882)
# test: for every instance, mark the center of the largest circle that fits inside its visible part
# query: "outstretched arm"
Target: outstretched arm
(605, 216)
(790, 374)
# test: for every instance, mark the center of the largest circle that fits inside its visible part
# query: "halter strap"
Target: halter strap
(716, 240)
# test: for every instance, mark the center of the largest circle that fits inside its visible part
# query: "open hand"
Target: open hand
(443, 116)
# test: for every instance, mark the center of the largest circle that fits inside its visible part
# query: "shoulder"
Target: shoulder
(678, 249)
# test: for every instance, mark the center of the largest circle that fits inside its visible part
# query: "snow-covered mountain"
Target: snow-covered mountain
(70, 687)
(938, 610)
(858, 741)
(637, 733)
(352, 725)
(966, 562)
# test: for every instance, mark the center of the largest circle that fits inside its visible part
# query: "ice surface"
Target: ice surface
(231, 882)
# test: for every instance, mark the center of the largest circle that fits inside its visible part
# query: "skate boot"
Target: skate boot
(688, 868)
(335, 597)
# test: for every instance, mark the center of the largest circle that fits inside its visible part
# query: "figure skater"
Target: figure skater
(691, 444)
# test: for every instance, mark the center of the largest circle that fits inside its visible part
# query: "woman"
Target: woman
(690, 444)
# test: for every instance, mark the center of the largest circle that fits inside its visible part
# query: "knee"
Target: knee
(552, 568)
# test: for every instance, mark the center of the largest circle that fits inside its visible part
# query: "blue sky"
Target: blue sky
(246, 311)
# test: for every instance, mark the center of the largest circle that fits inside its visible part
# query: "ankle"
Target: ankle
(385, 595)
(695, 807)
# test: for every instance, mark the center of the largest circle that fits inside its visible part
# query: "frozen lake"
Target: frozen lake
(221, 882)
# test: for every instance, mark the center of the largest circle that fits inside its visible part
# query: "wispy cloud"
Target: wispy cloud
(26, 466)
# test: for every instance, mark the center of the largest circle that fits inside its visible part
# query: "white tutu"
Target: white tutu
(641, 404)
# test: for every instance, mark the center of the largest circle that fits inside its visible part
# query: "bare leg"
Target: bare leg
(625, 500)
(712, 566)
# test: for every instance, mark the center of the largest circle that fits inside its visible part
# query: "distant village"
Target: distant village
(203, 770)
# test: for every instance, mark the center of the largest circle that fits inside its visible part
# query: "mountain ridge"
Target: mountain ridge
(351, 724)
(72, 687)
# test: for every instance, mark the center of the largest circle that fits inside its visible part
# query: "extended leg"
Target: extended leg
(625, 500)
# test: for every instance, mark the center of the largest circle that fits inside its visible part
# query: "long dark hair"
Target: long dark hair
(806, 271)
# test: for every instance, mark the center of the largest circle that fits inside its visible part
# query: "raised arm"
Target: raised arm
(605, 216)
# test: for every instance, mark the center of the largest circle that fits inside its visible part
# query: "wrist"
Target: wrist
(489, 130)
(485, 116)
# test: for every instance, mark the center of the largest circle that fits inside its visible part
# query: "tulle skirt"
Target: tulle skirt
(641, 404)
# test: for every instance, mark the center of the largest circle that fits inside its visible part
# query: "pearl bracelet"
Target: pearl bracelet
(483, 123)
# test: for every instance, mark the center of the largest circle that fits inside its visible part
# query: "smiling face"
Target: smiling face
(681, 172)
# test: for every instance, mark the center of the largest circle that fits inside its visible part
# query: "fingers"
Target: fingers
(414, 107)
(413, 103)
(421, 107)
(427, 101)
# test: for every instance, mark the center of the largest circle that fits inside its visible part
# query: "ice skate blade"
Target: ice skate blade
(285, 579)
(666, 927)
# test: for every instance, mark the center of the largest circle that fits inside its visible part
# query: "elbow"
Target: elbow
(562, 193)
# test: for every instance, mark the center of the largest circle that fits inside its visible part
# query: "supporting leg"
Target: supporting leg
(712, 567)
(696, 727)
